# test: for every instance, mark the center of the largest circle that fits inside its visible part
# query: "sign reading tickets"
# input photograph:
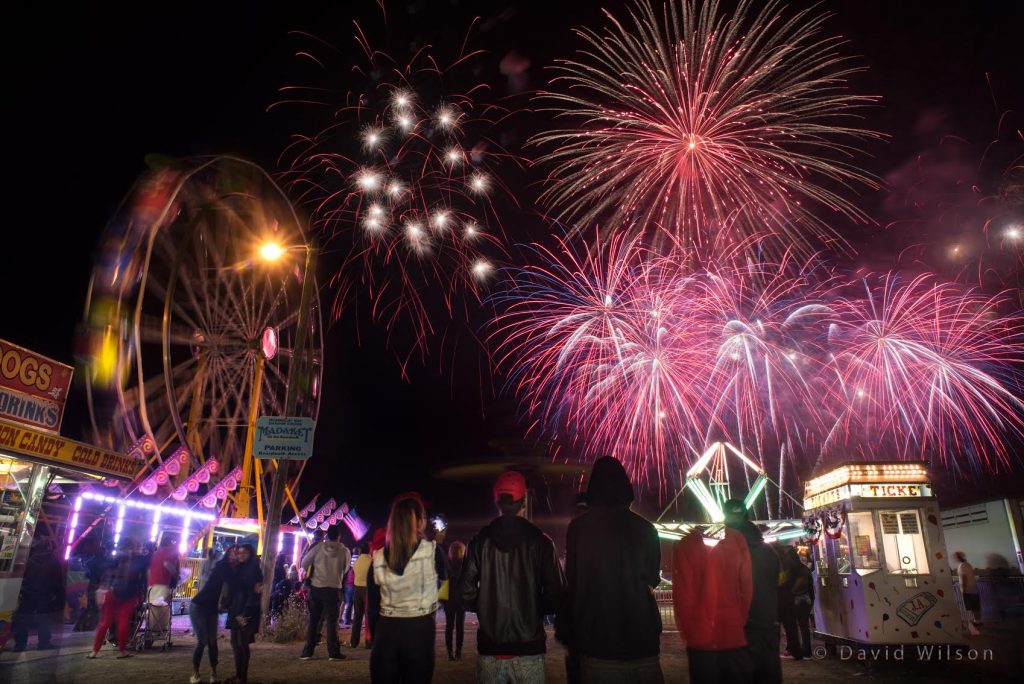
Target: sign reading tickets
(288, 439)
(898, 491)
(56, 450)
(33, 388)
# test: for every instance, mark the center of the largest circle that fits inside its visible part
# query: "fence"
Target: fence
(191, 571)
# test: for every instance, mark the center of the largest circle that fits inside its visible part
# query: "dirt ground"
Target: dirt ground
(273, 663)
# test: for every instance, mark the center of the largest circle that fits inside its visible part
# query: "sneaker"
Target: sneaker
(213, 678)
(194, 679)
(338, 656)
(786, 655)
(306, 657)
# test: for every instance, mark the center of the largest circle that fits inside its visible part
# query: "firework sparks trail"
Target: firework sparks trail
(928, 370)
(594, 349)
(768, 322)
(401, 181)
(695, 122)
(619, 352)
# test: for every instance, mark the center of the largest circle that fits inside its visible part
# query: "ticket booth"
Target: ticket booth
(880, 560)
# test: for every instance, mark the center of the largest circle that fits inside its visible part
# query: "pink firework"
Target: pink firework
(926, 369)
(622, 351)
(596, 344)
(697, 122)
(400, 182)
(768, 324)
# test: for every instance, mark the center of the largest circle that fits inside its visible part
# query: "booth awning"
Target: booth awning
(20, 442)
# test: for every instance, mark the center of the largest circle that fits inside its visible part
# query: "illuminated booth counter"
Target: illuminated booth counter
(880, 560)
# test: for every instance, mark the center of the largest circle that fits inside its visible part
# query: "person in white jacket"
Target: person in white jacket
(326, 565)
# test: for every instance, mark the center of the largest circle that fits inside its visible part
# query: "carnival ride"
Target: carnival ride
(190, 325)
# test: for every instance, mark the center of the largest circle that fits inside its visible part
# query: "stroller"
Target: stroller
(151, 625)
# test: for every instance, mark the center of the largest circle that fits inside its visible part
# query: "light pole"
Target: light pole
(272, 252)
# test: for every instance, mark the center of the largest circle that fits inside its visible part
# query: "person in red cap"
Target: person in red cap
(511, 579)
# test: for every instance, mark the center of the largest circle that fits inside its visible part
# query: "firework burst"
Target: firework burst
(401, 182)
(927, 370)
(594, 343)
(622, 351)
(696, 122)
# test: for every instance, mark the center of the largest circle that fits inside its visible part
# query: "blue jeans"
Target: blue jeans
(517, 670)
(204, 625)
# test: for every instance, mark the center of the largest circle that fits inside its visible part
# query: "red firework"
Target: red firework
(698, 122)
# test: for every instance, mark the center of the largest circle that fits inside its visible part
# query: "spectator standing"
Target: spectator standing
(349, 593)
(326, 563)
(409, 571)
(969, 591)
(360, 569)
(372, 590)
(511, 579)
(244, 609)
(454, 612)
(803, 603)
(762, 625)
(613, 562)
(203, 612)
(42, 597)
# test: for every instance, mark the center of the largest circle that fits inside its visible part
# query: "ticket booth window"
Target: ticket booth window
(903, 542)
(865, 544)
(841, 552)
(820, 560)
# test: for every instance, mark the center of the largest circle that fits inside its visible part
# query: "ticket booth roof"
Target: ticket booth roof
(874, 472)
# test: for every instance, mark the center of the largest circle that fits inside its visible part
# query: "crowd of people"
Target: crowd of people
(729, 598)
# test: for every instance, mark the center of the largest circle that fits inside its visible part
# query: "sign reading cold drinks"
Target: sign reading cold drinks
(289, 439)
(33, 388)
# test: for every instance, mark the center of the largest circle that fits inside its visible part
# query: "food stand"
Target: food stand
(880, 560)
(28, 459)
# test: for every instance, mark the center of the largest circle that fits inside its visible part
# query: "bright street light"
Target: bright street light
(271, 251)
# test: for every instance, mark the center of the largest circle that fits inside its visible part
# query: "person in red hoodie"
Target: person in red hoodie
(711, 593)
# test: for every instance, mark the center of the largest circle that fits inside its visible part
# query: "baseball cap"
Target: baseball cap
(512, 483)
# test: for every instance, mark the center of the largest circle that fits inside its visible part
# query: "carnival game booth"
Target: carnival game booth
(880, 560)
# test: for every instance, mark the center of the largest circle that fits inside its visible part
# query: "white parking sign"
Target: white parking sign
(289, 439)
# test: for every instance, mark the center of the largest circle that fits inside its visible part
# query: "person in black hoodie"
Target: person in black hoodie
(613, 562)
(762, 628)
(511, 579)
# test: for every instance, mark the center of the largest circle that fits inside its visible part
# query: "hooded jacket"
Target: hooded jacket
(330, 561)
(511, 580)
(693, 591)
(711, 591)
(764, 570)
(613, 562)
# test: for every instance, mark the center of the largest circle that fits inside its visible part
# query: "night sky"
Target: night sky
(95, 90)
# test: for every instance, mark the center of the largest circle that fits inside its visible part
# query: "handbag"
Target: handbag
(442, 592)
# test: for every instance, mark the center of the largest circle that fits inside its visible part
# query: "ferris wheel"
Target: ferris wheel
(192, 316)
